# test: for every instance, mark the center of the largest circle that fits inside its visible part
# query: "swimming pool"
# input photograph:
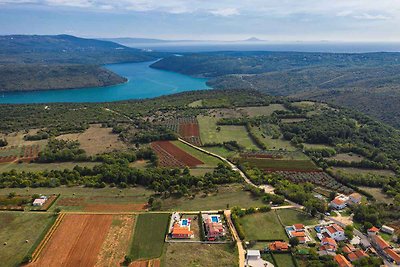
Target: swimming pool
(214, 219)
(184, 222)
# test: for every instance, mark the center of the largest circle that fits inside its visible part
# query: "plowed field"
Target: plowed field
(76, 242)
(170, 155)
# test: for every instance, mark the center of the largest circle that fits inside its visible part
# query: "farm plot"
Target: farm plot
(318, 178)
(261, 110)
(76, 242)
(20, 231)
(187, 128)
(281, 164)
(96, 140)
(210, 132)
(116, 242)
(170, 155)
(26, 153)
(148, 239)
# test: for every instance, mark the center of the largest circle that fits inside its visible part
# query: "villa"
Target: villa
(299, 231)
(333, 231)
(213, 227)
(180, 228)
(357, 255)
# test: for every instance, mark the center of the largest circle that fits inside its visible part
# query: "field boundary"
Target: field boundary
(45, 240)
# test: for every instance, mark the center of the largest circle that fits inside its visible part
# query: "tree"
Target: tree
(294, 241)
(12, 195)
(348, 231)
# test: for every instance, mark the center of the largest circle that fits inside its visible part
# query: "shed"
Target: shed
(253, 254)
(387, 229)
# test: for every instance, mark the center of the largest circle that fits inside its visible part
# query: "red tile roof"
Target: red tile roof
(373, 229)
(358, 254)
(338, 201)
(393, 255)
(298, 234)
(278, 245)
(298, 226)
(328, 240)
(342, 261)
(382, 244)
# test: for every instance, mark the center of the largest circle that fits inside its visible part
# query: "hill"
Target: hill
(342, 79)
(36, 62)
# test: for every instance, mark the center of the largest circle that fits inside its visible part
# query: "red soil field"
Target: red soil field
(189, 129)
(172, 156)
(76, 242)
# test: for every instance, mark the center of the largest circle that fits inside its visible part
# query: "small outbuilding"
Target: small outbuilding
(387, 229)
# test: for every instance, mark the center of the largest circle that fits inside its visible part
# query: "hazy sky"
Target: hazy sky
(276, 20)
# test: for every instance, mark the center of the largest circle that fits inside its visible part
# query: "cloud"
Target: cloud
(366, 16)
(225, 12)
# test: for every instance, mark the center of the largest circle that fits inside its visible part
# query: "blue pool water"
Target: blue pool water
(143, 82)
(214, 219)
(184, 222)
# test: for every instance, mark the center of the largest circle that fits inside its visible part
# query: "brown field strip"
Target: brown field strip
(172, 156)
(115, 207)
(76, 241)
(47, 237)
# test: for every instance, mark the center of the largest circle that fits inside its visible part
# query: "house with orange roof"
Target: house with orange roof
(180, 227)
(342, 261)
(372, 231)
(213, 226)
(338, 203)
(348, 249)
(278, 246)
(328, 244)
(357, 255)
(299, 231)
(379, 243)
(334, 231)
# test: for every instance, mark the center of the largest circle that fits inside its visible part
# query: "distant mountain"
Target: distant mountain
(65, 49)
(254, 39)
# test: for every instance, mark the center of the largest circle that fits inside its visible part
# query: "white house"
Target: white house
(338, 204)
(39, 202)
(334, 231)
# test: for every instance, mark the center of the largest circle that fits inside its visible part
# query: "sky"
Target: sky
(272, 20)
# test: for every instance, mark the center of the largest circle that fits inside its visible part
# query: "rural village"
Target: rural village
(234, 186)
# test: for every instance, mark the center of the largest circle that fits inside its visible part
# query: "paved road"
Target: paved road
(267, 188)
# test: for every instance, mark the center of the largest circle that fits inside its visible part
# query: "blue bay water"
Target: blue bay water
(143, 82)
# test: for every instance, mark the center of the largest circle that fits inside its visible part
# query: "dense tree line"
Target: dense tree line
(62, 150)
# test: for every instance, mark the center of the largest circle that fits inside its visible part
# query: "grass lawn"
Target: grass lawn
(292, 216)
(208, 160)
(363, 171)
(281, 164)
(200, 171)
(15, 229)
(222, 151)
(262, 110)
(316, 146)
(262, 226)
(35, 167)
(140, 164)
(148, 239)
(284, 260)
(228, 194)
(275, 144)
(195, 104)
(209, 133)
(377, 193)
(193, 255)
